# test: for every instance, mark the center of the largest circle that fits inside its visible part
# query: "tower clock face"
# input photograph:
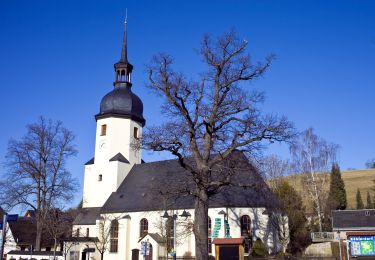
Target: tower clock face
(102, 145)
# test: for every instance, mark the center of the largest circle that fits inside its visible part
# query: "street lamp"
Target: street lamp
(185, 214)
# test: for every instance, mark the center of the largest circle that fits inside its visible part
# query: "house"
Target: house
(357, 229)
(131, 208)
(21, 236)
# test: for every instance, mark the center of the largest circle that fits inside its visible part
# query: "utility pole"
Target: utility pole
(3, 236)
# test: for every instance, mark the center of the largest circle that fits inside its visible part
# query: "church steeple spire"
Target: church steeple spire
(124, 52)
(123, 68)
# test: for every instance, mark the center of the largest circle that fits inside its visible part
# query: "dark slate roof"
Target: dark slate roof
(122, 102)
(151, 186)
(81, 239)
(24, 232)
(363, 219)
(119, 157)
(158, 238)
(91, 161)
(87, 216)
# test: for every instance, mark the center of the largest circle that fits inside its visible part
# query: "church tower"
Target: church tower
(118, 124)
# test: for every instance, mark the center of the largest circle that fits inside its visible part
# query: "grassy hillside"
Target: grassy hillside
(362, 179)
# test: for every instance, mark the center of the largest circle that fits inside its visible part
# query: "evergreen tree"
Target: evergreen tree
(337, 193)
(369, 201)
(292, 206)
(360, 204)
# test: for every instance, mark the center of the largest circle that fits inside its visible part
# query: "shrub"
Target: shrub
(258, 249)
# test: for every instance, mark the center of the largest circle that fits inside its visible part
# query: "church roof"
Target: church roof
(87, 216)
(152, 186)
(119, 158)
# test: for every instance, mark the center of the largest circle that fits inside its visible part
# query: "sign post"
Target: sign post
(3, 237)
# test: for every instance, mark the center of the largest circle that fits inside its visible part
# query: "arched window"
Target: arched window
(143, 227)
(113, 247)
(78, 232)
(245, 225)
(87, 232)
(246, 232)
(169, 230)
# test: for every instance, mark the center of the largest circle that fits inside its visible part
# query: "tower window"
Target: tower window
(87, 232)
(103, 130)
(100, 177)
(136, 133)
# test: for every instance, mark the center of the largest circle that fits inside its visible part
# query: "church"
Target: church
(127, 212)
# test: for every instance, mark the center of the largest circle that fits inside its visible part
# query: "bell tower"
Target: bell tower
(123, 68)
(119, 124)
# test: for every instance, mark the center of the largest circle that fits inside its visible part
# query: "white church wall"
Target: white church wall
(104, 175)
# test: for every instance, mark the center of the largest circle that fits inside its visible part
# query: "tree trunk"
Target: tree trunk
(201, 225)
(54, 249)
(38, 238)
(102, 256)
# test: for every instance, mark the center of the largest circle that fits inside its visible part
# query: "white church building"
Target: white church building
(125, 203)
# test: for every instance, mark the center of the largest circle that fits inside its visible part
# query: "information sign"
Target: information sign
(362, 245)
(145, 248)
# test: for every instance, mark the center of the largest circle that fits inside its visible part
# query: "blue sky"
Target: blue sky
(56, 60)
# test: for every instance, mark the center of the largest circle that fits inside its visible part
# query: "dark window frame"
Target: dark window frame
(113, 241)
(143, 227)
(103, 130)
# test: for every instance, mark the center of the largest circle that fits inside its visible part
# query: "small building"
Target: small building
(357, 229)
(20, 240)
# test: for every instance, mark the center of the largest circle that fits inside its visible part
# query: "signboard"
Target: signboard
(145, 248)
(362, 245)
(12, 217)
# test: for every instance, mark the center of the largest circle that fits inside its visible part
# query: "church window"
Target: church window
(100, 177)
(87, 232)
(169, 233)
(113, 247)
(245, 225)
(246, 232)
(143, 227)
(136, 133)
(103, 130)
(77, 232)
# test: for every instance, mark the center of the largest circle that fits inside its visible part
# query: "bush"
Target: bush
(258, 249)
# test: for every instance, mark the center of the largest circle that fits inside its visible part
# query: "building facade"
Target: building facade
(128, 209)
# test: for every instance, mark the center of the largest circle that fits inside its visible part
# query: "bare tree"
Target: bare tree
(59, 226)
(211, 117)
(37, 177)
(108, 226)
(274, 169)
(165, 230)
(314, 156)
